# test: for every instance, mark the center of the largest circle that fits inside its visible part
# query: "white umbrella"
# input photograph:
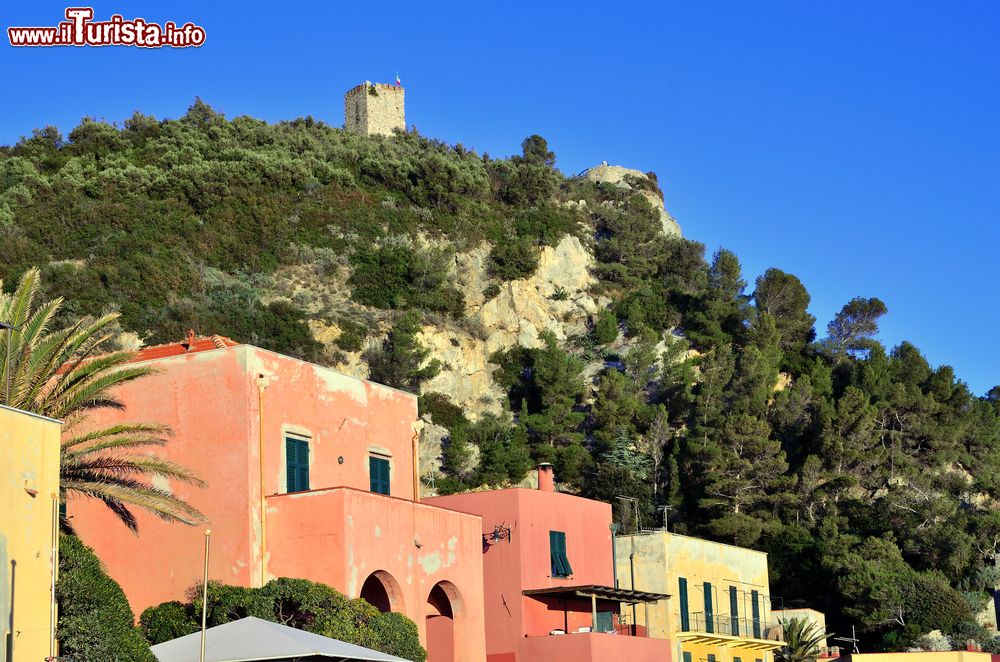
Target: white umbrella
(255, 640)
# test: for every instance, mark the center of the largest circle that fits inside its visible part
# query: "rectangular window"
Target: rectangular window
(709, 609)
(687, 656)
(682, 591)
(711, 657)
(557, 554)
(738, 659)
(378, 470)
(604, 622)
(734, 612)
(296, 464)
(755, 609)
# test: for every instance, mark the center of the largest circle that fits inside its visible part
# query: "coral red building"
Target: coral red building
(550, 589)
(311, 474)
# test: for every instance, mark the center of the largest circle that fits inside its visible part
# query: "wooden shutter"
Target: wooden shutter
(384, 476)
(557, 554)
(604, 622)
(296, 465)
(734, 613)
(755, 606)
(709, 609)
(682, 586)
(303, 465)
(378, 474)
(687, 656)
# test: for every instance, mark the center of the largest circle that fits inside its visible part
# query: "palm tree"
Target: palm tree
(68, 373)
(802, 641)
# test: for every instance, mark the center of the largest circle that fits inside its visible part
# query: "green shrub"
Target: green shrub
(514, 259)
(605, 327)
(297, 603)
(491, 291)
(96, 623)
(442, 410)
(352, 336)
(397, 276)
(167, 621)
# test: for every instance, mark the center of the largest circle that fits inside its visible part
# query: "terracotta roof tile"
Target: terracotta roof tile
(192, 344)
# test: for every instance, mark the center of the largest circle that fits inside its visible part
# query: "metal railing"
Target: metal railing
(730, 626)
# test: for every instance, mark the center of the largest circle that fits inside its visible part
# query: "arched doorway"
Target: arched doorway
(382, 591)
(444, 608)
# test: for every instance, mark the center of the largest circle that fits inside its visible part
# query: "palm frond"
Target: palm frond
(67, 373)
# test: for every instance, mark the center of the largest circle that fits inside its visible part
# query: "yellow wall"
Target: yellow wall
(658, 560)
(29, 458)
(817, 618)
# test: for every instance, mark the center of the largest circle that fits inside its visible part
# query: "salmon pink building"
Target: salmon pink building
(311, 474)
(550, 591)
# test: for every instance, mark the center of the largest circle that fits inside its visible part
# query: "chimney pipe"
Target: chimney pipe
(546, 477)
(190, 340)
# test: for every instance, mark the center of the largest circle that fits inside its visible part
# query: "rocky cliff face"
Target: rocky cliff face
(557, 298)
(628, 178)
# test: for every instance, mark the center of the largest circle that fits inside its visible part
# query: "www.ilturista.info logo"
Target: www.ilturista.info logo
(81, 30)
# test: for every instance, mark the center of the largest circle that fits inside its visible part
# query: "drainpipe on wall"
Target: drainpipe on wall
(55, 570)
(261, 385)
(631, 569)
(614, 552)
(416, 464)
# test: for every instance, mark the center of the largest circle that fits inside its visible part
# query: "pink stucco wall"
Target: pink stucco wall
(594, 646)
(517, 625)
(338, 532)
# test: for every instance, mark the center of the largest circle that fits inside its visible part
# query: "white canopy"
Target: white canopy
(255, 640)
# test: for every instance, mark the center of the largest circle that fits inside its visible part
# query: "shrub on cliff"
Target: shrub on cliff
(513, 259)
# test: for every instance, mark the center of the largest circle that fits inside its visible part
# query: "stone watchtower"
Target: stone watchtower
(374, 109)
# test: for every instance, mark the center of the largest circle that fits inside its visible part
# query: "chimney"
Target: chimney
(546, 477)
(190, 340)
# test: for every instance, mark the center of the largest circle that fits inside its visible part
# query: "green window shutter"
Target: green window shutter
(709, 610)
(303, 465)
(565, 557)
(734, 613)
(604, 622)
(755, 607)
(557, 554)
(711, 657)
(296, 465)
(682, 591)
(737, 659)
(687, 656)
(384, 476)
(378, 473)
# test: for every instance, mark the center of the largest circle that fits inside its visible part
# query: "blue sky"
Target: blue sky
(854, 144)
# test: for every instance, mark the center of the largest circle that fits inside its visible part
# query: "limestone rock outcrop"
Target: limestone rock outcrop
(618, 176)
(554, 299)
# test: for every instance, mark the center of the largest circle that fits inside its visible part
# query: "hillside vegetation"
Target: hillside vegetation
(870, 476)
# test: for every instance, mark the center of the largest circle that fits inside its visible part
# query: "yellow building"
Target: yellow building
(29, 503)
(720, 604)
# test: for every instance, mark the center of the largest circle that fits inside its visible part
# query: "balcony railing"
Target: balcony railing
(724, 624)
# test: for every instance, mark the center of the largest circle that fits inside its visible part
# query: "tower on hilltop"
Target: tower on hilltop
(374, 109)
